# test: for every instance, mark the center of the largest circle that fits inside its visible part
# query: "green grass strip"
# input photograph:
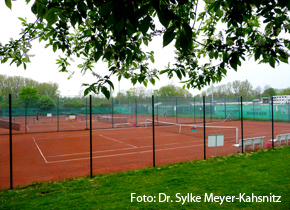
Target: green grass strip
(245, 181)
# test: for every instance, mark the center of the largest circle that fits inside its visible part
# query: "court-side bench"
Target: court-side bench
(282, 138)
(251, 142)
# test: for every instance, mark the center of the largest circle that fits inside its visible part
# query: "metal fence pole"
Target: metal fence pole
(272, 121)
(91, 139)
(153, 130)
(25, 113)
(86, 113)
(225, 101)
(288, 111)
(10, 141)
(194, 110)
(204, 134)
(57, 113)
(176, 110)
(242, 124)
(136, 112)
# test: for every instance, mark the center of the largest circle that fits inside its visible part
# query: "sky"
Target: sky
(43, 67)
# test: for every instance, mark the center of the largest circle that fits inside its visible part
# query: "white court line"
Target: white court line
(115, 150)
(27, 127)
(130, 153)
(39, 150)
(117, 141)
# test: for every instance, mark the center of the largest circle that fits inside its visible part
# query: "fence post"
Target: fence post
(153, 130)
(10, 141)
(91, 138)
(112, 113)
(136, 112)
(86, 113)
(272, 122)
(204, 134)
(176, 110)
(57, 113)
(194, 110)
(25, 113)
(242, 124)
(225, 101)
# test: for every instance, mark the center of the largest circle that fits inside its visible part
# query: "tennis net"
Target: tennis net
(110, 119)
(197, 131)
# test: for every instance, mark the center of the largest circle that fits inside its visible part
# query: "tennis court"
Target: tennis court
(59, 155)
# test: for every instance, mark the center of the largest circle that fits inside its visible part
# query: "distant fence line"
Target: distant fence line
(181, 110)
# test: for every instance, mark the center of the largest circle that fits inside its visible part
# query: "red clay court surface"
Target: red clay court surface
(60, 155)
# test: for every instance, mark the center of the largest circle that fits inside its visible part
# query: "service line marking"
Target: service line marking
(118, 141)
(122, 154)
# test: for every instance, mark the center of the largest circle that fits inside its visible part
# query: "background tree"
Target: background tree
(1, 99)
(28, 96)
(257, 91)
(13, 85)
(46, 103)
(226, 31)
(172, 91)
(269, 92)
(48, 89)
(285, 91)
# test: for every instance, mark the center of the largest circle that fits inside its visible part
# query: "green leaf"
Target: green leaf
(105, 91)
(162, 19)
(188, 30)
(110, 83)
(106, 8)
(82, 7)
(257, 54)
(178, 73)
(168, 36)
(145, 23)
(183, 41)
(272, 61)
(134, 80)
(4, 60)
(120, 25)
(110, 20)
(234, 61)
(8, 3)
(51, 17)
(87, 90)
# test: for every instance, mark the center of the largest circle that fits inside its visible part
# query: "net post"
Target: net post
(153, 130)
(272, 121)
(242, 124)
(10, 141)
(91, 137)
(204, 134)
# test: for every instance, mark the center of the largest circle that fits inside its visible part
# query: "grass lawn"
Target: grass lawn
(253, 180)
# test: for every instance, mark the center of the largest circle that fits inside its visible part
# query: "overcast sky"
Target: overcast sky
(43, 68)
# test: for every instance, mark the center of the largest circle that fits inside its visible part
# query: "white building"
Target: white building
(281, 99)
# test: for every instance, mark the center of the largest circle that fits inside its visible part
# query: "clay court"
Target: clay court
(60, 155)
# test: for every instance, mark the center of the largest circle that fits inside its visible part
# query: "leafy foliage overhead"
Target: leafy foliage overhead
(226, 31)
